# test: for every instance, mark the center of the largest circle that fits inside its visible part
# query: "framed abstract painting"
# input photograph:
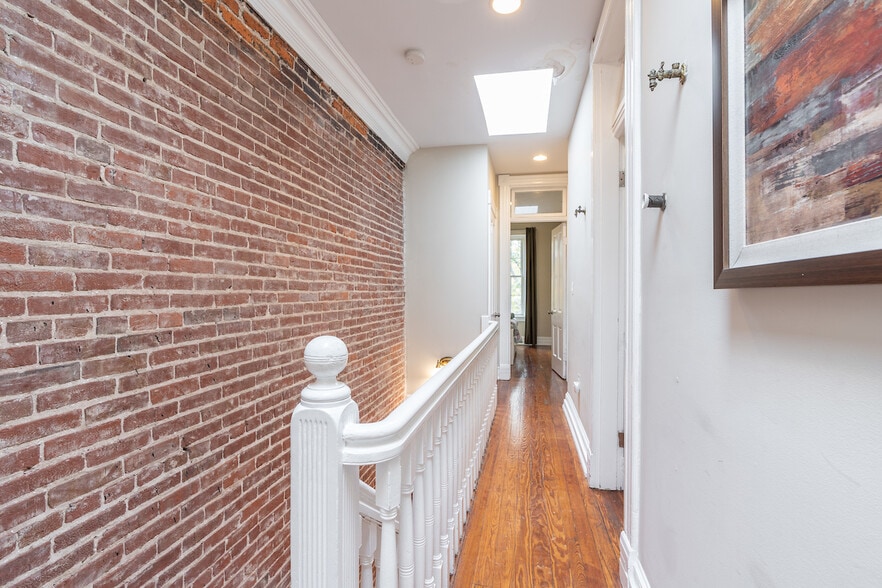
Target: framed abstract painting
(801, 143)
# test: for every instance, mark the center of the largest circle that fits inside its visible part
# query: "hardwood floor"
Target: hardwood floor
(535, 521)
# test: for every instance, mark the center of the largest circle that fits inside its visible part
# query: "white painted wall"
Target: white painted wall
(446, 260)
(580, 254)
(594, 261)
(761, 409)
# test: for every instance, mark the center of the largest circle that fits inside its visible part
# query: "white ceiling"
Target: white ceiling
(436, 103)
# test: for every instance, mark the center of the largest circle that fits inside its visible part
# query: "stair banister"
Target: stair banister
(367, 443)
(427, 454)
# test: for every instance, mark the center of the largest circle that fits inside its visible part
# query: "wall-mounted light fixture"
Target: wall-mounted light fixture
(443, 361)
(505, 6)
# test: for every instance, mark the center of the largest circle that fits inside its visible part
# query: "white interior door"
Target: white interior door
(558, 300)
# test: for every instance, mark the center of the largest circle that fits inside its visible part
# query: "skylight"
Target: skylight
(516, 103)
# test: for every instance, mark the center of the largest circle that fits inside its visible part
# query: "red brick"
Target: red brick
(107, 238)
(83, 484)
(170, 319)
(97, 368)
(55, 161)
(174, 354)
(169, 282)
(39, 528)
(11, 410)
(91, 281)
(80, 439)
(119, 448)
(24, 562)
(68, 351)
(15, 357)
(63, 210)
(134, 261)
(100, 194)
(67, 257)
(143, 322)
(183, 208)
(12, 253)
(87, 101)
(139, 301)
(53, 136)
(69, 305)
(74, 394)
(29, 381)
(111, 325)
(73, 328)
(144, 378)
(87, 527)
(37, 428)
(20, 332)
(35, 281)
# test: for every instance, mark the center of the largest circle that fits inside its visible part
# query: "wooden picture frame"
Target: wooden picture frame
(799, 143)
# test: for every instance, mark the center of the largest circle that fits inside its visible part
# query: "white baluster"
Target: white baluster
(444, 460)
(325, 525)
(437, 564)
(405, 524)
(419, 514)
(387, 576)
(367, 551)
(388, 501)
(430, 508)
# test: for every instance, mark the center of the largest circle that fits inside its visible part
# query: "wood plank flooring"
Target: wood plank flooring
(534, 521)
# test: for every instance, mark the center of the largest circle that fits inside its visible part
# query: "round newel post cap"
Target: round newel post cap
(325, 358)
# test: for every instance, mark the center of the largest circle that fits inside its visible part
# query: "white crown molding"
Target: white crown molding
(298, 23)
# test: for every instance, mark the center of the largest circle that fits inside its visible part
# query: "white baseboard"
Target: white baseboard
(580, 436)
(504, 372)
(543, 341)
(631, 574)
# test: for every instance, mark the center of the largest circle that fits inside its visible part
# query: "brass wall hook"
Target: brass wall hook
(678, 70)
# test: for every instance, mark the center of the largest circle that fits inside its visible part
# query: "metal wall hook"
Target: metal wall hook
(655, 201)
(678, 70)
(580, 210)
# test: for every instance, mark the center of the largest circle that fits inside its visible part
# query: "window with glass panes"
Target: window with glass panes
(518, 274)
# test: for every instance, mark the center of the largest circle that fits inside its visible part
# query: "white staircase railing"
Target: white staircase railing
(428, 452)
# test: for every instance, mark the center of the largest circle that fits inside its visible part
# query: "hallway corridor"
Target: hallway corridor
(535, 522)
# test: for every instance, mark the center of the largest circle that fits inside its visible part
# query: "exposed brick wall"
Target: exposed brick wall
(183, 205)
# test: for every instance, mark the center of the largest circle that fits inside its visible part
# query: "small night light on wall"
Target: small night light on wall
(443, 361)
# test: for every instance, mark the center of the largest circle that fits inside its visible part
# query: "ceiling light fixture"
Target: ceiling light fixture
(415, 56)
(505, 6)
(540, 157)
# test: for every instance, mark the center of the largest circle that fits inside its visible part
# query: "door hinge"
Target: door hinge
(622, 179)
(621, 438)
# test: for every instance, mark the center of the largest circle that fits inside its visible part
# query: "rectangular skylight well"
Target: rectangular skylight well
(516, 103)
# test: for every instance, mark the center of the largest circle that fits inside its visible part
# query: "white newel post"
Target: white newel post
(325, 524)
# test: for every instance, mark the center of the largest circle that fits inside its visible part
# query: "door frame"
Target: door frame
(559, 295)
(507, 185)
(631, 572)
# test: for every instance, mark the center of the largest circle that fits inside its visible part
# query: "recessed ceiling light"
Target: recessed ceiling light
(540, 157)
(515, 103)
(505, 6)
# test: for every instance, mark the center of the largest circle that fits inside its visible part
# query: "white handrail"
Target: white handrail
(370, 443)
(427, 452)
